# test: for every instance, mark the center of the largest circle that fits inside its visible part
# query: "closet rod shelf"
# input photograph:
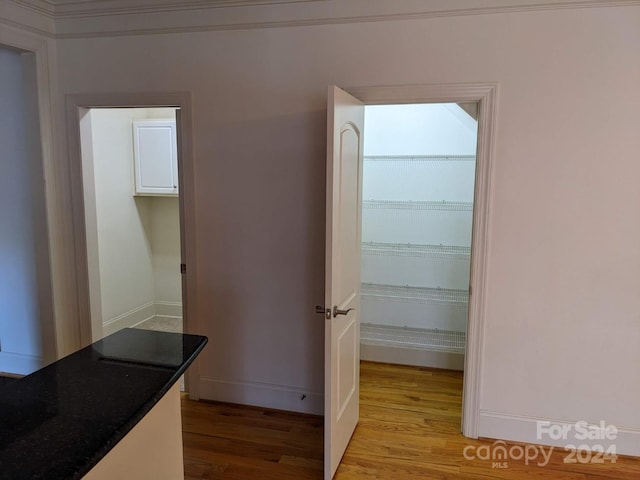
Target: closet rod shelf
(448, 296)
(452, 252)
(417, 205)
(423, 338)
(420, 158)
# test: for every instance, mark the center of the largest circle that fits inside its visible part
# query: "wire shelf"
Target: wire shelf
(448, 296)
(419, 158)
(452, 252)
(426, 339)
(418, 205)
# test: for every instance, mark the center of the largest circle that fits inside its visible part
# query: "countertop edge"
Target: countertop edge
(123, 431)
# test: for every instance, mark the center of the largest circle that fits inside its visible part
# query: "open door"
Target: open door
(345, 127)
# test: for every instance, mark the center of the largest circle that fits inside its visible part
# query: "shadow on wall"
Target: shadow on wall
(25, 295)
(261, 235)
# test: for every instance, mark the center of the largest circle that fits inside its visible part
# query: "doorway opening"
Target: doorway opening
(345, 128)
(132, 218)
(419, 165)
(77, 107)
(27, 332)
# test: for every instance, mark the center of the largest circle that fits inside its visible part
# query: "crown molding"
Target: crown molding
(42, 7)
(171, 16)
(104, 18)
(19, 26)
(33, 16)
(94, 8)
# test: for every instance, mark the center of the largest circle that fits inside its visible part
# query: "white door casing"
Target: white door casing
(52, 281)
(345, 127)
(485, 95)
(75, 103)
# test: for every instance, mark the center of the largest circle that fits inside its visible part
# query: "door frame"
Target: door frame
(486, 95)
(50, 283)
(75, 105)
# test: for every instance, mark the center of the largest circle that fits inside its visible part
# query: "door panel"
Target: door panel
(345, 124)
(347, 367)
(348, 212)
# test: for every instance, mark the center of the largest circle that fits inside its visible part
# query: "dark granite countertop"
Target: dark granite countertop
(60, 421)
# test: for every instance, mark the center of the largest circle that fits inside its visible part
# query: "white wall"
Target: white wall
(419, 129)
(21, 215)
(165, 250)
(562, 330)
(126, 270)
(437, 129)
(138, 238)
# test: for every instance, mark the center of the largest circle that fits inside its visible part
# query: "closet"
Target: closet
(417, 212)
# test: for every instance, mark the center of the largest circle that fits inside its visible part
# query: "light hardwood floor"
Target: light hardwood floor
(409, 429)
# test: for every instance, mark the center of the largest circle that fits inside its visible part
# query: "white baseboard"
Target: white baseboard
(279, 397)
(168, 309)
(142, 314)
(525, 429)
(20, 364)
(165, 318)
(411, 356)
(129, 319)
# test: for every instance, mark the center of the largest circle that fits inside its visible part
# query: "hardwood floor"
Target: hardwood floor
(409, 429)
(223, 441)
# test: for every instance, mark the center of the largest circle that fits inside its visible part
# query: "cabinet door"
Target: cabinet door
(156, 157)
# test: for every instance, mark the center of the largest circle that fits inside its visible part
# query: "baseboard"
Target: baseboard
(526, 429)
(19, 364)
(129, 319)
(142, 314)
(165, 317)
(279, 397)
(412, 356)
(168, 309)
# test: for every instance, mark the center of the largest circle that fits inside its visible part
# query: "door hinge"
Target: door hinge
(183, 268)
(469, 290)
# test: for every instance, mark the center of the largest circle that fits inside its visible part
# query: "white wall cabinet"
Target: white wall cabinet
(155, 157)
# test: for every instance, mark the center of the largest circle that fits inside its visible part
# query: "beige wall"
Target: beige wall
(562, 310)
(126, 267)
(165, 249)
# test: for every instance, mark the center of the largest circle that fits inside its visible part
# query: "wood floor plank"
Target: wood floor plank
(409, 429)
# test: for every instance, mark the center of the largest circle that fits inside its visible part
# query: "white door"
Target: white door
(345, 127)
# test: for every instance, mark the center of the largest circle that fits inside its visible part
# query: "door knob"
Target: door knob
(337, 311)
